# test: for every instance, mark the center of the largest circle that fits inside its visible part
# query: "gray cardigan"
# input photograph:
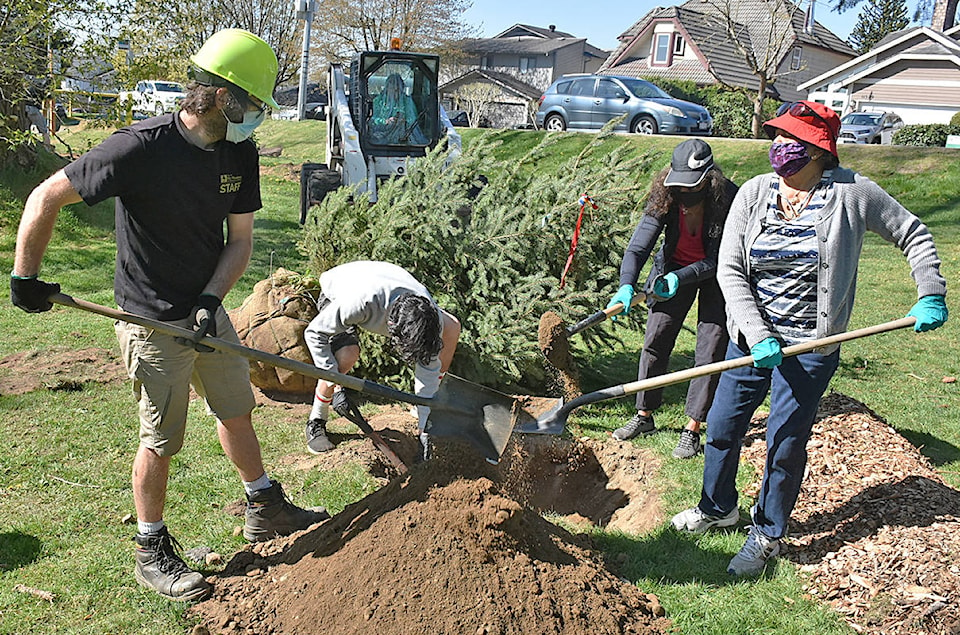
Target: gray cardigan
(854, 205)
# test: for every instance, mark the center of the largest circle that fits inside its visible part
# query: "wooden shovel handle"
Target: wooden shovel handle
(796, 349)
(603, 314)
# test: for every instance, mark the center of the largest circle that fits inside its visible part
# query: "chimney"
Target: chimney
(941, 21)
(552, 27)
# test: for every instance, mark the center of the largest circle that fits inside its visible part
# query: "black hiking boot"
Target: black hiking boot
(161, 569)
(316, 434)
(270, 514)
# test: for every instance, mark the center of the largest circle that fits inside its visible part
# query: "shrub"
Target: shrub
(955, 119)
(930, 135)
(494, 262)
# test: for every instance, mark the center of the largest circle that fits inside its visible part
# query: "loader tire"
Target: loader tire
(316, 180)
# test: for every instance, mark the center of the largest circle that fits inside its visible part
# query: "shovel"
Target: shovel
(479, 415)
(554, 419)
(554, 338)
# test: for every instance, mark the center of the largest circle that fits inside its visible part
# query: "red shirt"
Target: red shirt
(690, 246)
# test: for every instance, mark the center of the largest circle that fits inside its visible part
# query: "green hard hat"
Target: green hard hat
(241, 58)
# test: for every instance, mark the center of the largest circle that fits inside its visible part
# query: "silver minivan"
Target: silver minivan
(590, 101)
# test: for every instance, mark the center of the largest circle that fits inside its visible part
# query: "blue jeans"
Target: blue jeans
(795, 389)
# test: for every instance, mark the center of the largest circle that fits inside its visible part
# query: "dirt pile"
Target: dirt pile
(875, 527)
(443, 550)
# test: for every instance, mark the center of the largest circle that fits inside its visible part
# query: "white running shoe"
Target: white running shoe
(694, 521)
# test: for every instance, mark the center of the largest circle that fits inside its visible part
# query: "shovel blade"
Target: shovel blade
(480, 416)
(547, 421)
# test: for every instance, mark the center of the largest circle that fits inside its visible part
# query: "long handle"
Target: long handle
(347, 381)
(602, 315)
(718, 367)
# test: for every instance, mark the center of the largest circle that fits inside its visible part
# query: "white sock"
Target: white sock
(321, 407)
(255, 486)
(150, 528)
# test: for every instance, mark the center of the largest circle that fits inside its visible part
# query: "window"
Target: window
(796, 60)
(583, 87)
(661, 49)
(678, 44)
(484, 62)
(527, 63)
(609, 89)
(563, 88)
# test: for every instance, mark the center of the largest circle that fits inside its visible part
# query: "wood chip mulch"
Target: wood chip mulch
(876, 530)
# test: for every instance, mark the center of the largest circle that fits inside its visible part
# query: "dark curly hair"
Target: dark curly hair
(414, 327)
(662, 199)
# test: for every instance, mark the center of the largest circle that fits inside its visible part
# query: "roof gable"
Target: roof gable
(506, 82)
(915, 40)
(525, 30)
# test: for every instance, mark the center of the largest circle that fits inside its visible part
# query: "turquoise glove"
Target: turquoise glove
(766, 354)
(930, 311)
(624, 295)
(665, 286)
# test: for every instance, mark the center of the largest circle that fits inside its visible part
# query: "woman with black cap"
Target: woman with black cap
(688, 203)
(788, 268)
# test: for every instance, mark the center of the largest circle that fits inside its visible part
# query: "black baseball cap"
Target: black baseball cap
(691, 161)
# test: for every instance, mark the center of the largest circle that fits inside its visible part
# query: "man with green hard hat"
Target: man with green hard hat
(176, 178)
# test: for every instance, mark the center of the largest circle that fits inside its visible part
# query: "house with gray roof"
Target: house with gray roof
(705, 41)
(914, 73)
(521, 61)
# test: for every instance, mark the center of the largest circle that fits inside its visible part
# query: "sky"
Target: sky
(601, 21)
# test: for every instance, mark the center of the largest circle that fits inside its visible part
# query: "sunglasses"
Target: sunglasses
(249, 101)
(800, 110)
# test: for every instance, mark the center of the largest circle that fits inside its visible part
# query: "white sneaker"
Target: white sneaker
(753, 557)
(694, 521)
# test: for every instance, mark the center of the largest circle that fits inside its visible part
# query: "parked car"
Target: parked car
(590, 101)
(153, 97)
(868, 127)
(459, 118)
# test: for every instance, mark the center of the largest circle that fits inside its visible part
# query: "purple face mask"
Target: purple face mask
(788, 158)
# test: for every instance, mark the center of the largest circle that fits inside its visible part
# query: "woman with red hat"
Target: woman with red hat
(787, 269)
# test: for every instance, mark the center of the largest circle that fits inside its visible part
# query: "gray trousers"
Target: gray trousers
(664, 323)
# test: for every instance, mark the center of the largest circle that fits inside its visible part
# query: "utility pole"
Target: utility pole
(305, 11)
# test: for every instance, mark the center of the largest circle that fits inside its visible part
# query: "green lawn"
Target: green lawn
(65, 464)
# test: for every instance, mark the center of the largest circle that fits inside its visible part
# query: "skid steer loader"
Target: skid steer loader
(369, 136)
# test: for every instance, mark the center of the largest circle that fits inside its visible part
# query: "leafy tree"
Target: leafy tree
(878, 19)
(345, 27)
(494, 262)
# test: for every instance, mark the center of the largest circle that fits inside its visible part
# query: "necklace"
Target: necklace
(791, 210)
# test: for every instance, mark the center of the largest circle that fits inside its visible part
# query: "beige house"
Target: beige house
(690, 42)
(518, 64)
(914, 73)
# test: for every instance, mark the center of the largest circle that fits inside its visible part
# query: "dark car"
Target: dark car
(590, 101)
(459, 118)
(868, 127)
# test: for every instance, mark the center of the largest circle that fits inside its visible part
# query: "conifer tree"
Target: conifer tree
(878, 18)
(494, 261)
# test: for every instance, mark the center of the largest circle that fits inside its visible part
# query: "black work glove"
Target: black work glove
(32, 294)
(206, 323)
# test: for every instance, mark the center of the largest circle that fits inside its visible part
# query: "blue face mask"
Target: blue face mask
(237, 132)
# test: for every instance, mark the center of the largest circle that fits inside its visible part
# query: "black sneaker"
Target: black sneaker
(640, 425)
(688, 446)
(270, 514)
(316, 434)
(161, 569)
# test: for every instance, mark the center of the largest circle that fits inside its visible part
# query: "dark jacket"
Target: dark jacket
(655, 222)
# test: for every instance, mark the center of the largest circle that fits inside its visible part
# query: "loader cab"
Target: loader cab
(394, 102)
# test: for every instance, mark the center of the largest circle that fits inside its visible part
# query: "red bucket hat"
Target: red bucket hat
(808, 121)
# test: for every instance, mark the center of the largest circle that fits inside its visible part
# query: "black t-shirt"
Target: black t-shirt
(171, 202)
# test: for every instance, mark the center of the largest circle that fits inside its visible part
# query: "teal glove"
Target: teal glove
(624, 295)
(767, 354)
(665, 286)
(930, 311)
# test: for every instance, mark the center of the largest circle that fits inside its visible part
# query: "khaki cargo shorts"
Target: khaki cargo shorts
(162, 371)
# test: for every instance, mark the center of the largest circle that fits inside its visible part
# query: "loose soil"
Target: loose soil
(455, 546)
(58, 368)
